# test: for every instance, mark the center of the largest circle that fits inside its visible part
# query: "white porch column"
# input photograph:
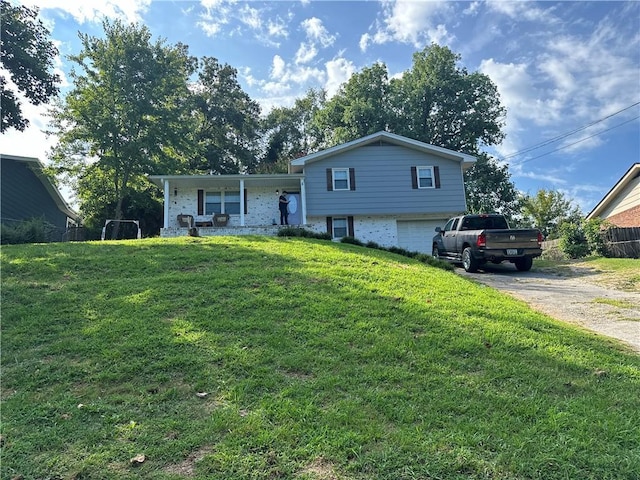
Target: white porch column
(303, 198)
(242, 200)
(167, 199)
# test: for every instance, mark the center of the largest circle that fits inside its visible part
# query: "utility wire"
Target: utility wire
(567, 134)
(581, 140)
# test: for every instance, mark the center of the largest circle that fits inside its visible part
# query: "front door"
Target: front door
(295, 208)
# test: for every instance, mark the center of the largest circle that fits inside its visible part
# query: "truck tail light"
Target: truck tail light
(482, 240)
(540, 238)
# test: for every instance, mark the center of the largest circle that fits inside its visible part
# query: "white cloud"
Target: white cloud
(410, 22)
(277, 67)
(472, 9)
(219, 13)
(306, 52)
(250, 17)
(83, 11)
(519, 10)
(339, 70)
(209, 28)
(316, 32)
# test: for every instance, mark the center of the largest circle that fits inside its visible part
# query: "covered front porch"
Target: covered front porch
(229, 204)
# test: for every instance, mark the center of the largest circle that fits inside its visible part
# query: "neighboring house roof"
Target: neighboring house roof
(612, 196)
(465, 159)
(15, 201)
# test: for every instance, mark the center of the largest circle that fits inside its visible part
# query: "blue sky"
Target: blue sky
(567, 72)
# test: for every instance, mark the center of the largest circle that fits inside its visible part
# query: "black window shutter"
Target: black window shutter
(200, 202)
(414, 178)
(350, 230)
(329, 180)
(352, 178)
(330, 226)
(436, 174)
(245, 201)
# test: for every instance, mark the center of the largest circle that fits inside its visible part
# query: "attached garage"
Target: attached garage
(417, 235)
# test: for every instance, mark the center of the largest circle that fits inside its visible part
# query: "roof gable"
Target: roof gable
(37, 168)
(633, 172)
(383, 138)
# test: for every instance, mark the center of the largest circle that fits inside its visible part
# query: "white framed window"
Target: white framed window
(340, 227)
(425, 177)
(341, 179)
(222, 202)
(213, 203)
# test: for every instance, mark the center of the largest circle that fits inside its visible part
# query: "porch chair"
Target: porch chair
(185, 220)
(220, 219)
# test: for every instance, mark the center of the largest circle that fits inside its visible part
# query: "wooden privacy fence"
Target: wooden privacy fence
(622, 242)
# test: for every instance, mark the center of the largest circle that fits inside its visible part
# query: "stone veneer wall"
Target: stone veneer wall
(381, 229)
(262, 206)
(267, 230)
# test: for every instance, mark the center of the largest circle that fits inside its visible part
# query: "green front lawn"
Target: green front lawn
(265, 358)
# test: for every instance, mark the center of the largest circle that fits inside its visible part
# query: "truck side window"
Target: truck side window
(447, 227)
(455, 224)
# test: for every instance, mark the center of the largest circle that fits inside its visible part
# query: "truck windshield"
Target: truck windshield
(484, 223)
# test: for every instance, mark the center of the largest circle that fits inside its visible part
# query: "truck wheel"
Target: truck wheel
(469, 263)
(524, 264)
(436, 252)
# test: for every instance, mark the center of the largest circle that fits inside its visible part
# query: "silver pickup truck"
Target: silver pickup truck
(474, 240)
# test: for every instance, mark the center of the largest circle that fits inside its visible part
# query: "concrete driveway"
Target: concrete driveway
(574, 299)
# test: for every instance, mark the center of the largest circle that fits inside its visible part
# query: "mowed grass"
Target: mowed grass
(618, 273)
(272, 358)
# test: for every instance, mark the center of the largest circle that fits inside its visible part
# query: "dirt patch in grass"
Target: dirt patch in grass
(320, 469)
(187, 467)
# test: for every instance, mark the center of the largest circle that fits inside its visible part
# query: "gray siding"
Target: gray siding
(25, 197)
(383, 184)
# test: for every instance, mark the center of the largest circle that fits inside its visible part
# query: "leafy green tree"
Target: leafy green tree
(27, 55)
(440, 103)
(127, 116)
(547, 210)
(291, 132)
(489, 188)
(228, 121)
(359, 108)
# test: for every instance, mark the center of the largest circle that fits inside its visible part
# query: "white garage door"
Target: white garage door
(417, 235)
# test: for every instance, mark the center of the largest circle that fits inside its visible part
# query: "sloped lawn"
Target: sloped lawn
(265, 358)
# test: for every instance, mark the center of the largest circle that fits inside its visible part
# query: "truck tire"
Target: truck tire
(436, 252)
(524, 264)
(469, 263)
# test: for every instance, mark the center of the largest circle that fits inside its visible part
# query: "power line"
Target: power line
(581, 140)
(567, 134)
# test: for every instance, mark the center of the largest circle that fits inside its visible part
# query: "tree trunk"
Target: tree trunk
(118, 217)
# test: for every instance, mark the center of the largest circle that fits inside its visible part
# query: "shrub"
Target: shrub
(302, 232)
(573, 241)
(352, 240)
(593, 233)
(34, 230)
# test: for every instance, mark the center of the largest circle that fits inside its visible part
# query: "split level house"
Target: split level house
(381, 188)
